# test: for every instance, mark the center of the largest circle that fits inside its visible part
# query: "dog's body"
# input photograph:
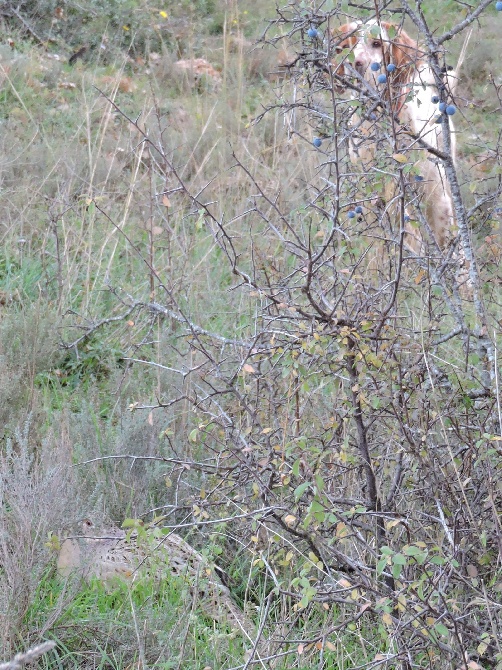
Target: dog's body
(409, 90)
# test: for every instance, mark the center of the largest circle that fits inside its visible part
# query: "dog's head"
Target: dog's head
(359, 45)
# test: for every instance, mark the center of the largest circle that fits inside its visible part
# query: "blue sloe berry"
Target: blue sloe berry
(312, 33)
(450, 110)
(351, 214)
(317, 142)
(375, 67)
(391, 67)
(382, 78)
(358, 209)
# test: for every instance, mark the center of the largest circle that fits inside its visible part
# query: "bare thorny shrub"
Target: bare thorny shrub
(352, 419)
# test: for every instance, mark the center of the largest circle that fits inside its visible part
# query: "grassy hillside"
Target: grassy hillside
(163, 354)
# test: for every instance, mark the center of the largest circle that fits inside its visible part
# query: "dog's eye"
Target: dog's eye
(376, 43)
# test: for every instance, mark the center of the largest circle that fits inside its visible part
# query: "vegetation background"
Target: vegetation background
(161, 356)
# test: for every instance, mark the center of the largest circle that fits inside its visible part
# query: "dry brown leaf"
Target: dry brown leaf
(472, 570)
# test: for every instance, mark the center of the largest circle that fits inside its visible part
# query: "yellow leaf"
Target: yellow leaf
(482, 647)
(266, 431)
(157, 230)
(248, 368)
(330, 646)
(300, 648)
(165, 201)
(163, 14)
(387, 619)
(290, 520)
(421, 274)
(400, 158)
(391, 524)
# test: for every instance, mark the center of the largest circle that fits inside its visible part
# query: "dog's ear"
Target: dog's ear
(403, 51)
(343, 40)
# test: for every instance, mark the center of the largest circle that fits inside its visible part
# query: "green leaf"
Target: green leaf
(441, 629)
(438, 560)
(381, 566)
(399, 559)
(396, 570)
(319, 482)
(300, 490)
(130, 523)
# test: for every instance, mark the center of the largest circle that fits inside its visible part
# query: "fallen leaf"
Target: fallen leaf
(472, 570)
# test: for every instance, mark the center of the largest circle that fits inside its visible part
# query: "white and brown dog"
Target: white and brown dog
(412, 93)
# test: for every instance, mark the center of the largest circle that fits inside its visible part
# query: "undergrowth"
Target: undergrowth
(93, 240)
